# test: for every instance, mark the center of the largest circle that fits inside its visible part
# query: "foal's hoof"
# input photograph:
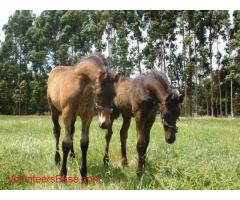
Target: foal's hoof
(124, 162)
(57, 158)
(85, 180)
(63, 175)
(106, 160)
(139, 173)
(83, 172)
(72, 155)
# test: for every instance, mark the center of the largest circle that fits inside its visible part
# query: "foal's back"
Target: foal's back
(131, 92)
(67, 89)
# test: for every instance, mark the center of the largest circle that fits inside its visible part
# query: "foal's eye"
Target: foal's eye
(99, 94)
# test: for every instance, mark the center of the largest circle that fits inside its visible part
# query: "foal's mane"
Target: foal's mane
(161, 77)
(96, 57)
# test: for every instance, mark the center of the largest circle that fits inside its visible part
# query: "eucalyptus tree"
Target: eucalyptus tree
(214, 23)
(49, 22)
(137, 26)
(161, 34)
(97, 26)
(181, 31)
(15, 43)
(223, 29)
(110, 18)
(117, 31)
(186, 28)
(37, 62)
(210, 18)
(233, 70)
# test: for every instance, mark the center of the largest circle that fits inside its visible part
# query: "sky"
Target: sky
(4, 14)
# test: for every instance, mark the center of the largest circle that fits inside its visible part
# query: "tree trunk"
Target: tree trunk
(139, 60)
(232, 98)
(211, 72)
(164, 62)
(226, 100)
(162, 47)
(19, 74)
(190, 77)
(19, 108)
(220, 99)
(196, 75)
(207, 101)
(110, 47)
(219, 82)
(184, 67)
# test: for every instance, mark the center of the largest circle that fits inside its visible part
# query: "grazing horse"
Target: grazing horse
(140, 98)
(76, 91)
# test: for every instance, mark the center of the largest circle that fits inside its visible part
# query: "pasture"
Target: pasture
(206, 155)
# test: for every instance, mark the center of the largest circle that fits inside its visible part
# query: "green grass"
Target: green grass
(206, 155)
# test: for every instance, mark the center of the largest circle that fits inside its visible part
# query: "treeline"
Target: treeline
(199, 50)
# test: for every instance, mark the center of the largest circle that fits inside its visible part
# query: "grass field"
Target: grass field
(206, 155)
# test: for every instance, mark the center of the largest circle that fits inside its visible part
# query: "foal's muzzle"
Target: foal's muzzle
(170, 138)
(170, 132)
(104, 116)
(103, 125)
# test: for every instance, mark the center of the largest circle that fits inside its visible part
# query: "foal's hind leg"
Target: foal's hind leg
(144, 124)
(68, 119)
(56, 132)
(72, 153)
(123, 138)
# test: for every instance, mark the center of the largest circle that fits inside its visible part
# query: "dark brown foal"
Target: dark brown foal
(140, 98)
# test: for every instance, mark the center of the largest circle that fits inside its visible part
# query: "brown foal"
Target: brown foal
(77, 91)
(140, 98)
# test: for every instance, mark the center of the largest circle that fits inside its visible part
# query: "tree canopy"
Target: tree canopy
(198, 50)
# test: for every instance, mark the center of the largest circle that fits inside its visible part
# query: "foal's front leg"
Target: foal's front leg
(108, 135)
(84, 145)
(72, 153)
(123, 138)
(141, 143)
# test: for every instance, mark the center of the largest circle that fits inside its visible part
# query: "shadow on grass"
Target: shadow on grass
(109, 174)
(125, 177)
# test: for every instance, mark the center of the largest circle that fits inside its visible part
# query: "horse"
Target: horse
(77, 91)
(140, 98)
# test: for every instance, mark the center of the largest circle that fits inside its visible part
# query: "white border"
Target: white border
(121, 4)
(121, 195)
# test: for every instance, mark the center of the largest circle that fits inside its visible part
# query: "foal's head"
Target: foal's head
(170, 113)
(104, 95)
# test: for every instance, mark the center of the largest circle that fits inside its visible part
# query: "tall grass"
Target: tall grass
(206, 155)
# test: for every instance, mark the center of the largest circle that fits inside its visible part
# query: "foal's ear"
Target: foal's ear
(116, 76)
(169, 98)
(101, 76)
(180, 98)
(174, 97)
